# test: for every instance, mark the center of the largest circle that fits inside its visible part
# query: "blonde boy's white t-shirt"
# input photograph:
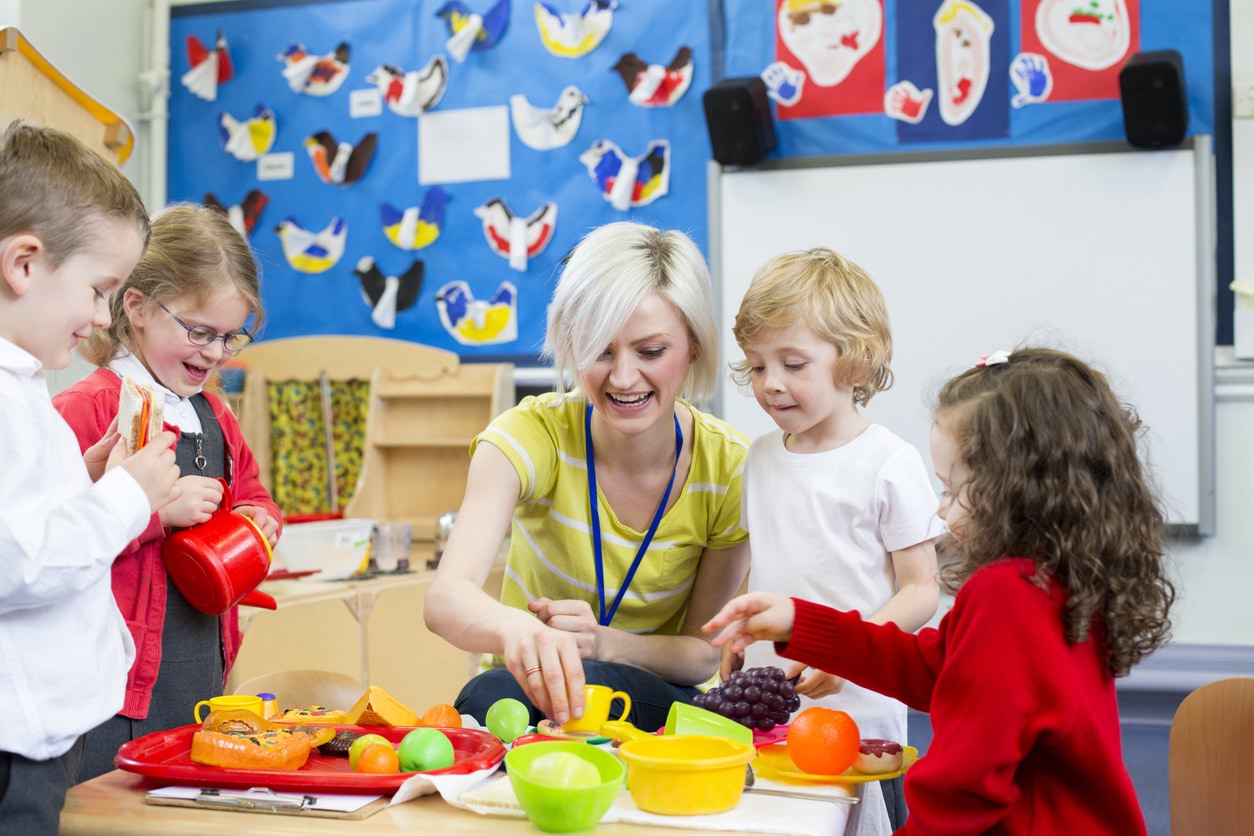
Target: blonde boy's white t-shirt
(822, 526)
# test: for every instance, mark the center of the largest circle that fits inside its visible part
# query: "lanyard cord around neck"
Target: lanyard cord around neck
(608, 616)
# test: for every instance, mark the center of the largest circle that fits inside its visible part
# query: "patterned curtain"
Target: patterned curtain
(298, 443)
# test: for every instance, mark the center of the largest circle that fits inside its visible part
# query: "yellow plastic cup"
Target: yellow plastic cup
(247, 702)
(596, 709)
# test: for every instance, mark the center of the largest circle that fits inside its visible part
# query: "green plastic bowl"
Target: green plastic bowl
(562, 809)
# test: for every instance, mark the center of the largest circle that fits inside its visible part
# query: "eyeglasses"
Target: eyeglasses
(204, 335)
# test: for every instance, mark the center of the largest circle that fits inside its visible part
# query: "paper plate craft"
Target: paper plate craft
(963, 58)
(248, 139)
(652, 85)
(244, 215)
(829, 39)
(1092, 35)
(473, 321)
(629, 181)
(388, 295)
(574, 35)
(417, 226)
(314, 75)
(312, 252)
(209, 67)
(468, 30)
(415, 92)
(340, 163)
(545, 128)
(514, 238)
(783, 83)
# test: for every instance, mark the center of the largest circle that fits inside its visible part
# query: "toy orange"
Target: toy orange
(823, 741)
(441, 716)
(379, 759)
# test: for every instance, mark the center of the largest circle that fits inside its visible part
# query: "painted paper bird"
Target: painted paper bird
(468, 30)
(415, 92)
(249, 139)
(340, 163)
(514, 238)
(244, 215)
(545, 128)
(388, 295)
(417, 226)
(314, 75)
(312, 252)
(473, 321)
(209, 67)
(652, 85)
(573, 35)
(629, 181)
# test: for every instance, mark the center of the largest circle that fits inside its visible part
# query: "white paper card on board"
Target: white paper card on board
(363, 103)
(463, 146)
(279, 166)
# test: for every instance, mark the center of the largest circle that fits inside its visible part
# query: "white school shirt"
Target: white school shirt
(178, 411)
(64, 648)
(821, 527)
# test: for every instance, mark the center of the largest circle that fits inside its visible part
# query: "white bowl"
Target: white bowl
(337, 547)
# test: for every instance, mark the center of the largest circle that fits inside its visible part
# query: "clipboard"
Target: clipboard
(262, 800)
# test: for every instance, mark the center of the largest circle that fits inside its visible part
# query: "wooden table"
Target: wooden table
(114, 804)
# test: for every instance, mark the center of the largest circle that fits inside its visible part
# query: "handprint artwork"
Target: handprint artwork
(906, 103)
(963, 31)
(1032, 79)
(1091, 34)
(839, 46)
(783, 83)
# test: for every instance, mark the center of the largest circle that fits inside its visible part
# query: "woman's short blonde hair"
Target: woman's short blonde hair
(836, 299)
(606, 276)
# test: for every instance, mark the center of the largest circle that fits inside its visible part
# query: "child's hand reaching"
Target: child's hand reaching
(200, 497)
(758, 616)
(729, 662)
(153, 467)
(814, 684)
(269, 525)
(98, 457)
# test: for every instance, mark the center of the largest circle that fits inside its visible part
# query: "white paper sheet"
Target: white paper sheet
(330, 802)
(462, 146)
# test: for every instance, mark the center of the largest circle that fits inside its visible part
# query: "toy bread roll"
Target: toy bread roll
(140, 413)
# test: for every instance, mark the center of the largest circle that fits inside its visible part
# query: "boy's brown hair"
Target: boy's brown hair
(833, 297)
(56, 188)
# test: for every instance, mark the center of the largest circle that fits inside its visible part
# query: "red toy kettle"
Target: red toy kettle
(221, 562)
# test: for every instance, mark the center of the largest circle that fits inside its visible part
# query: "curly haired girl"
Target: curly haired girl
(1061, 587)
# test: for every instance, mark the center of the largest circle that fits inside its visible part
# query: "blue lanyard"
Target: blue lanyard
(607, 617)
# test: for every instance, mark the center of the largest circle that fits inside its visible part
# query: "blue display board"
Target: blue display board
(409, 34)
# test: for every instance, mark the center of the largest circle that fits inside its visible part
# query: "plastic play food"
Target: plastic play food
(563, 769)
(378, 759)
(876, 756)
(441, 716)
(685, 775)
(424, 749)
(564, 809)
(359, 745)
(312, 714)
(262, 750)
(757, 698)
(507, 719)
(379, 708)
(823, 741)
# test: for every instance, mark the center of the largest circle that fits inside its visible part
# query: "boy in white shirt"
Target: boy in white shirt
(71, 229)
(838, 510)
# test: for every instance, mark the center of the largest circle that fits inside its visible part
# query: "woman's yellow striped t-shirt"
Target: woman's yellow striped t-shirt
(550, 553)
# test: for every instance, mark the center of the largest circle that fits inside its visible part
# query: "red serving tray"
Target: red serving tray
(164, 758)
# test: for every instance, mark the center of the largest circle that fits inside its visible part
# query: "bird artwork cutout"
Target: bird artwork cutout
(388, 295)
(575, 35)
(248, 139)
(340, 163)
(314, 75)
(417, 226)
(629, 181)
(312, 252)
(209, 67)
(514, 238)
(244, 215)
(411, 93)
(473, 321)
(652, 85)
(546, 128)
(469, 31)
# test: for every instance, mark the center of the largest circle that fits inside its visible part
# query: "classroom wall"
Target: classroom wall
(1216, 574)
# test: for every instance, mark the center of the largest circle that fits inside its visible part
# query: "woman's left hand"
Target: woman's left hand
(571, 616)
(269, 525)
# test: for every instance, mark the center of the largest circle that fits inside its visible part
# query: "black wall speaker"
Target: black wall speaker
(738, 117)
(1155, 104)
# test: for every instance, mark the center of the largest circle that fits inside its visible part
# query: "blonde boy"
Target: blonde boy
(71, 229)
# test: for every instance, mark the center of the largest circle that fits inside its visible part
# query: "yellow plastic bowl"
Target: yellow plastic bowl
(685, 775)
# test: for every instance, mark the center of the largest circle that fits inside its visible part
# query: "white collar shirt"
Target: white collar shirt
(178, 411)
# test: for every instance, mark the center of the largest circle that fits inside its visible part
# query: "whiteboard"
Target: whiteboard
(1100, 250)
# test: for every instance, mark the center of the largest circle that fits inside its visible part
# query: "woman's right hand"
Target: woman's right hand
(547, 664)
(153, 467)
(200, 497)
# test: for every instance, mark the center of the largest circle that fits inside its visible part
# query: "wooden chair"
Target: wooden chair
(1211, 761)
(293, 689)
